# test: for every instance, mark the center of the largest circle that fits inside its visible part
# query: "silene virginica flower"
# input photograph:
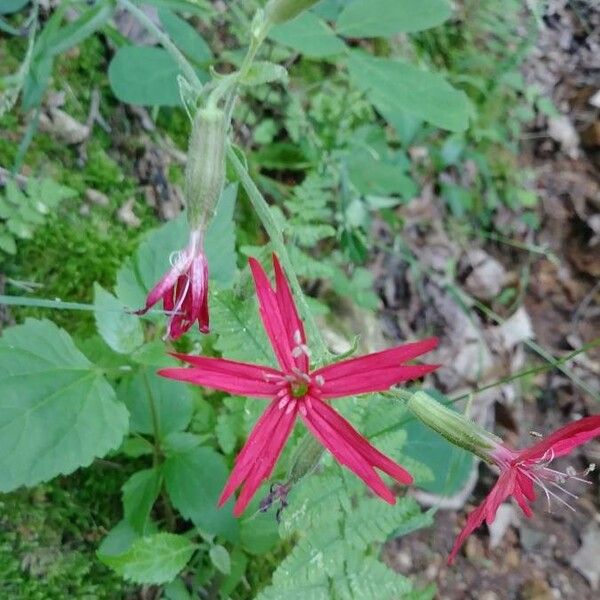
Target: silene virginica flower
(184, 288)
(294, 390)
(522, 470)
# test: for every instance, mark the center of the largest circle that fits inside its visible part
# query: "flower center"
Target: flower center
(298, 389)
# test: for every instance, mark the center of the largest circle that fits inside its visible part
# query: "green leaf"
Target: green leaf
(309, 35)
(144, 75)
(140, 492)
(376, 177)
(173, 402)
(78, 30)
(57, 411)
(185, 36)
(383, 18)
(153, 354)
(194, 481)
(371, 580)
(265, 72)
(20, 228)
(372, 521)
(393, 86)
(259, 532)
(118, 539)
(120, 329)
(194, 7)
(154, 559)
(220, 558)
(12, 6)
(7, 243)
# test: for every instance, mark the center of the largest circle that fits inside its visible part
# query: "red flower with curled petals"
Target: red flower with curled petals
(521, 470)
(184, 289)
(295, 390)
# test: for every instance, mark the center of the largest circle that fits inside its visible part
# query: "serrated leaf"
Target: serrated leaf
(398, 87)
(309, 35)
(371, 580)
(265, 72)
(140, 492)
(194, 481)
(383, 18)
(153, 559)
(173, 403)
(373, 521)
(120, 329)
(57, 411)
(317, 591)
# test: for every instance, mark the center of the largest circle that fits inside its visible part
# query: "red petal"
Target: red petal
(161, 290)
(486, 511)
(257, 458)
(377, 380)
(375, 458)
(289, 313)
(271, 316)
(563, 440)
(375, 372)
(227, 375)
(345, 451)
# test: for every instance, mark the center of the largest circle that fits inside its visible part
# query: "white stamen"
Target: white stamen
(591, 468)
(320, 380)
(283, 402)
(290, 408)
(297, 337)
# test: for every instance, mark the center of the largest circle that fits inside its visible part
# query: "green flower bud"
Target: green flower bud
(205, 170)
(455, 427)
(280, 11)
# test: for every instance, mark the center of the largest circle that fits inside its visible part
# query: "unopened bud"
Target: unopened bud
(452, 425)
(205, 170)
(280, 11)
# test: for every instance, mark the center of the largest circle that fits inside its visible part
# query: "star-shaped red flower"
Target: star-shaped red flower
(295, 390)
(521, 470)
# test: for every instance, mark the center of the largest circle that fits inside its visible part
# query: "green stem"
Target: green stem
(264, 214)
(166, 43)
(157, 455)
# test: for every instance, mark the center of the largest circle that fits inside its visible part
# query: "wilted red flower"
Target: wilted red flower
(521, 470)
(184, 289)
(296, 390)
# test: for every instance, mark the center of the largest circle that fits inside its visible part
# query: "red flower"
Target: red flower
(520, 470)
(294, 390)
(184, 289)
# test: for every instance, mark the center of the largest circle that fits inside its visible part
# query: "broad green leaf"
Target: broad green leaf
(173, 403)
(259, 531)
(200, 8)
(382, 18)
(153, 354)
(120, 329)
(57, 411)
(220, 559)
(393, 86)
(154, 559)
(144, 75)
(309, 35)
(194, 481)
(189, 41)
(140, 492)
